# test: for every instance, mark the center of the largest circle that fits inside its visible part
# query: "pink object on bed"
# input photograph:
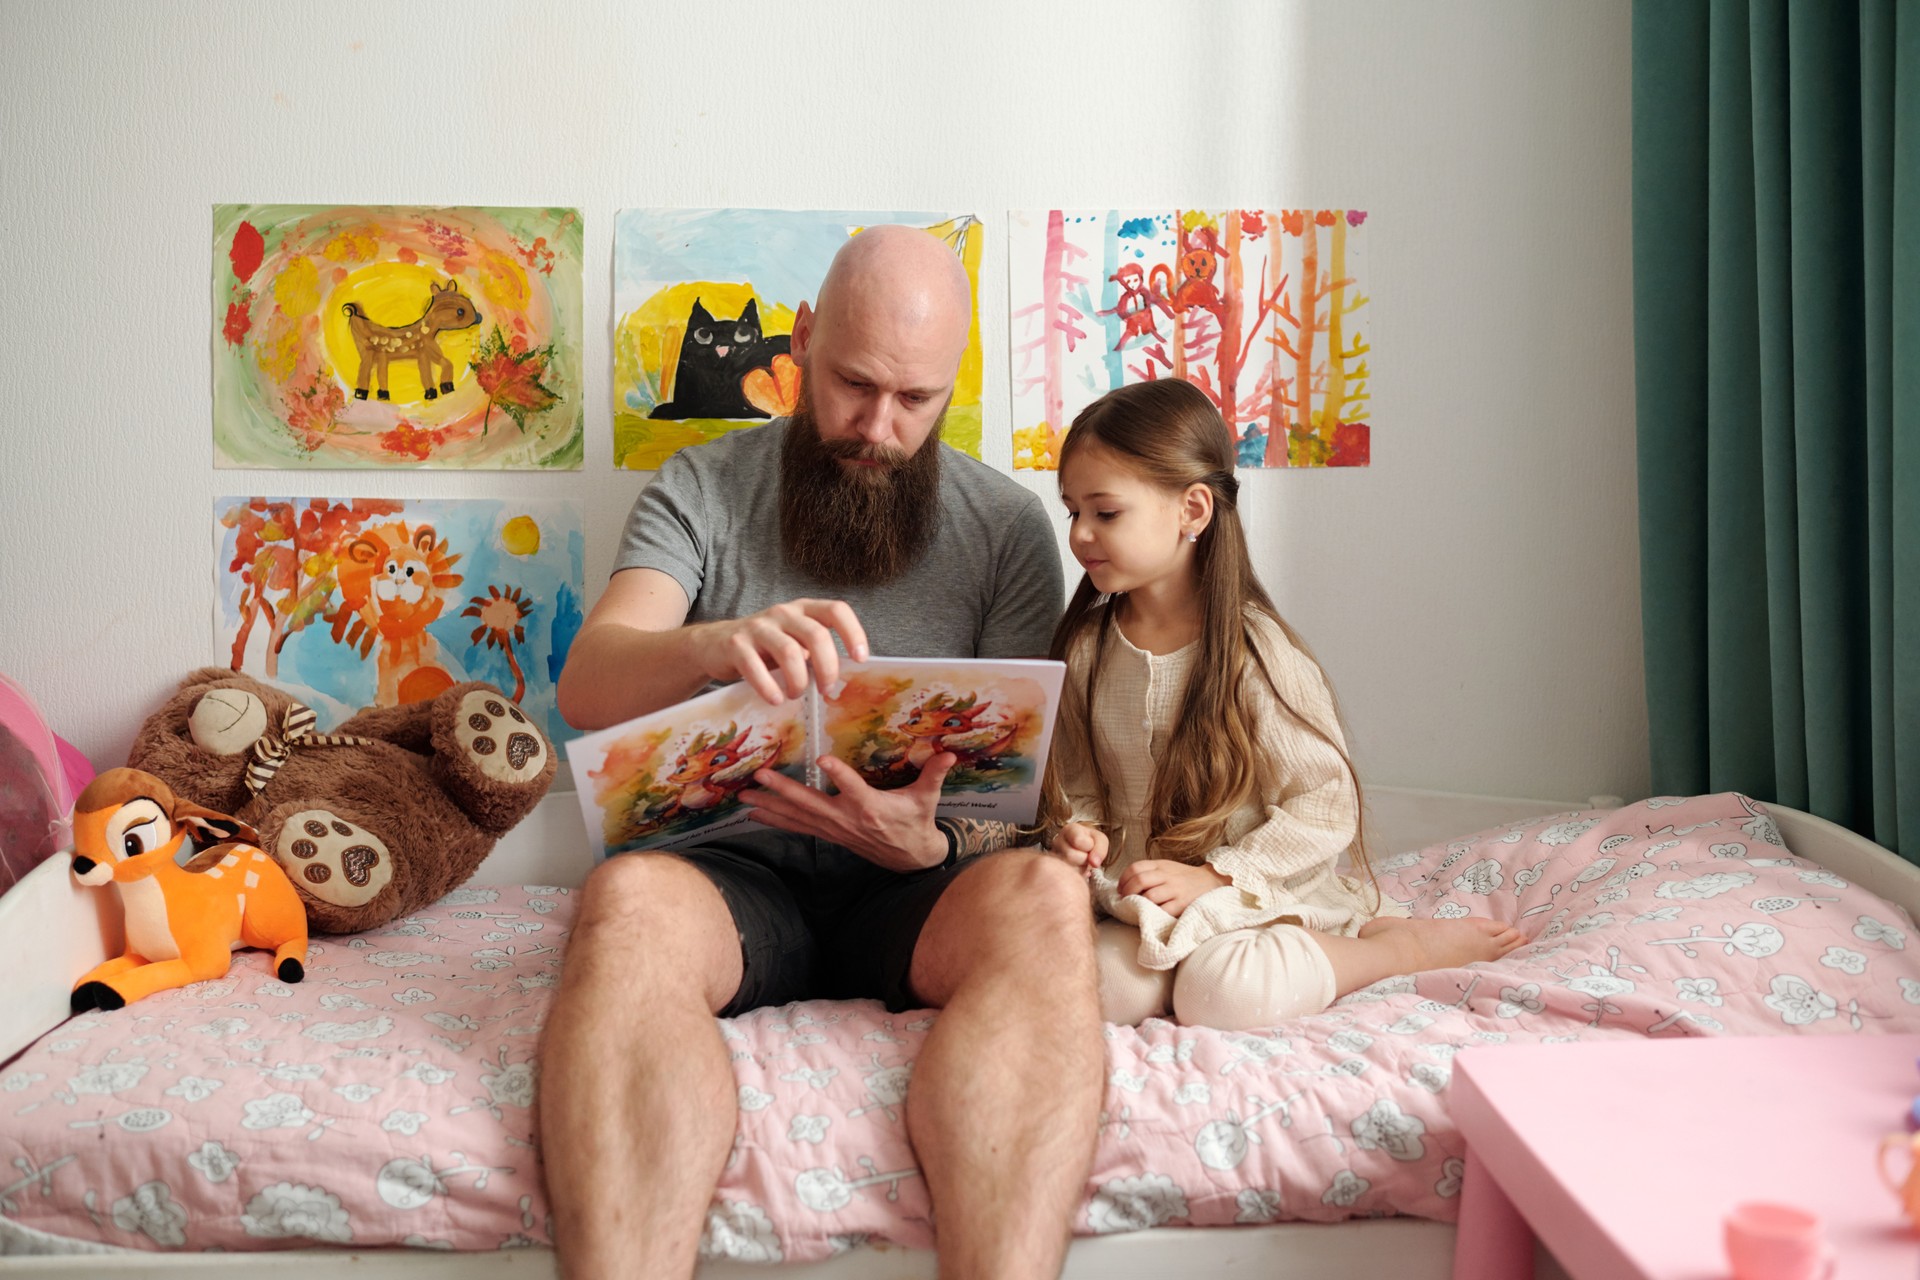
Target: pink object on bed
(388, 1099)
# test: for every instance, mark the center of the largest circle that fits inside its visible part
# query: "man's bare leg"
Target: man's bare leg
(1006, 1093)
(635, 1082)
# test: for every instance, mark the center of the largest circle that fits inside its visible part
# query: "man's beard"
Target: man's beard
(850, 526)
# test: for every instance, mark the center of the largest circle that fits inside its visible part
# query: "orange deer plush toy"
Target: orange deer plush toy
(183, 922)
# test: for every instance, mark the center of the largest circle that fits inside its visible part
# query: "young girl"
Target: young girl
(1199, 773)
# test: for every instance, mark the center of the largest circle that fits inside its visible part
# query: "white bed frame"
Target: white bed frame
(52, 930)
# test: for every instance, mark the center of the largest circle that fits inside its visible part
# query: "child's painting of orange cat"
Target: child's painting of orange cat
(356, 602)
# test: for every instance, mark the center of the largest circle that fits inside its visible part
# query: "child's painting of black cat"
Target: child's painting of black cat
(714, 356)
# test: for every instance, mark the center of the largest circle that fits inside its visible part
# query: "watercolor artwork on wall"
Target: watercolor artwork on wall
(380, 336)
(1265, 311)
(358, 602)
(704, 301)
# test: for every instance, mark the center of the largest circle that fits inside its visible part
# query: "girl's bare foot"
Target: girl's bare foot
(1444, 944)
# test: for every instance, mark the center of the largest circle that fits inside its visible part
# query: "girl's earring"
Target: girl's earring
(1193, 537)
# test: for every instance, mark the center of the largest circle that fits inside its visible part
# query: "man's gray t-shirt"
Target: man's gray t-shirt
(989, 584)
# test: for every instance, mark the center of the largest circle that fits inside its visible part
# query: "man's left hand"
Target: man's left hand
(891, 829)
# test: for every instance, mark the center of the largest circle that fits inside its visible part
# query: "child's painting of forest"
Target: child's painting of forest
(360, 602)
(682, 771)
(379, 336)
(890, 717)
(704, 302)
(1264, 310)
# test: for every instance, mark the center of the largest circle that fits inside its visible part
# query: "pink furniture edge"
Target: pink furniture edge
(1561, 1145)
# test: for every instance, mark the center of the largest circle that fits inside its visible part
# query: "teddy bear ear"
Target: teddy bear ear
(228, 719)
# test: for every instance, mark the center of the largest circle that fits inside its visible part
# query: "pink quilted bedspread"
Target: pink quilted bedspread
(387, 1100)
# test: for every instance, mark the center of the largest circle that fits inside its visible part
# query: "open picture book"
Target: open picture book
(674, 777)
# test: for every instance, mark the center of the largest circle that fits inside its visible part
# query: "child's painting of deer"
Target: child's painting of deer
(183, 922)
(379, 344)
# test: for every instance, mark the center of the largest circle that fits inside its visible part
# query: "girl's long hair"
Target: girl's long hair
(1170, 435)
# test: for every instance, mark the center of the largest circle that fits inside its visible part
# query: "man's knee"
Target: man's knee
(654, 916)
(1015, 911)
(637, 890)
(1040, 896)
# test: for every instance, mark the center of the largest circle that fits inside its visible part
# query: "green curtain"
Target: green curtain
(1776, 299)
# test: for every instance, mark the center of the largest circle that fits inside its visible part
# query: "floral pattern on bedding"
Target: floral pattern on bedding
(388, 1099)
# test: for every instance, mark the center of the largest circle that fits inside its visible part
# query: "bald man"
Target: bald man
(747, 559)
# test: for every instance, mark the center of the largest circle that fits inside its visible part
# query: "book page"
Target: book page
(674, 778)
(889, 716)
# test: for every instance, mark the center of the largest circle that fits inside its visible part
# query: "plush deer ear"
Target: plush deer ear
(207, 823)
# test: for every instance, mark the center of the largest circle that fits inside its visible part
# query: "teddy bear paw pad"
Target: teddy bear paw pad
(333, 859)
(497, 736)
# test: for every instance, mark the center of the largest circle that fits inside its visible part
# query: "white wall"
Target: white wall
(1474, 593)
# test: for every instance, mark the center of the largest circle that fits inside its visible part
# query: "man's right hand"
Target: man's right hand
(1081, 845)
(777, 649)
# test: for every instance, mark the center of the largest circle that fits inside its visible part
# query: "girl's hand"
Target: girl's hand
(1171, 886)
(1081, 845)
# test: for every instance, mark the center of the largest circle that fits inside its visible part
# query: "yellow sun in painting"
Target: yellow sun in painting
(393, 294)
(521, 536)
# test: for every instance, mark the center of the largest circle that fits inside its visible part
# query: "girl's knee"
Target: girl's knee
(1253, 978)
(1129, 993)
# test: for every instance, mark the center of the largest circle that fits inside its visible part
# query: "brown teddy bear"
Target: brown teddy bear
(385, 814)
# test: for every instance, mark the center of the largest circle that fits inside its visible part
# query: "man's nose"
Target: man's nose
(877, 427)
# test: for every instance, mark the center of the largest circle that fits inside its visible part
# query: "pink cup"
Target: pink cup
(1777, 1242)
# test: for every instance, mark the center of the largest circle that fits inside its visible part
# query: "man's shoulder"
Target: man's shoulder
(991, 493)
(751, 448)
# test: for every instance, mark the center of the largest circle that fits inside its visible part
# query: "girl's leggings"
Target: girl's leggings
(1235, 981)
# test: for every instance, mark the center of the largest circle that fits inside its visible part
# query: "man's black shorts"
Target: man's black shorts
(818, 921)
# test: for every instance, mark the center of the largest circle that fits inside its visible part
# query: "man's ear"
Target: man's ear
(802, 336)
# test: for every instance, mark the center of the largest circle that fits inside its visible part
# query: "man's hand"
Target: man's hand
(1082, 846)
(1171, 886)
(773, 649)
(891, 829)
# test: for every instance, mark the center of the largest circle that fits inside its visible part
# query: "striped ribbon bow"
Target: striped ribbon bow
(296, 730)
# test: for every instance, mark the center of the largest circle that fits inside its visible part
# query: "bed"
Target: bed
(384, 1106)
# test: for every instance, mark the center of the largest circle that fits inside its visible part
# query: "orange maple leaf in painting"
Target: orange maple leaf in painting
(774, 391)
(418, 441)
(510, 375)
